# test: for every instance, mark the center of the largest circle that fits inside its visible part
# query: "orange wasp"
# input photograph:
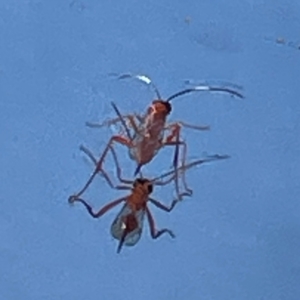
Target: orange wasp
(128, 225)
(149, 130)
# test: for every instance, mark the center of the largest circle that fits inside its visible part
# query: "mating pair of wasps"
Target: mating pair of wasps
(144, 135)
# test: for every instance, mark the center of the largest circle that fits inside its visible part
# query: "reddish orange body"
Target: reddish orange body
(128, 224)
(149, 133)
(148, 138)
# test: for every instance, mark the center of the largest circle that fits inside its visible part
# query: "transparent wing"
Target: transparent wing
(136, 221)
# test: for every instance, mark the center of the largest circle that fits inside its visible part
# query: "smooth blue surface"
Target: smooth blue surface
(238, 237)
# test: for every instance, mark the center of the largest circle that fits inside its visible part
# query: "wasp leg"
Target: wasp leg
(102, 211)
(156, 233)
(162, 206)
(118, 139)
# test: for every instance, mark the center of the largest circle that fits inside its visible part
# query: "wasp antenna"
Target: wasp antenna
(142, 78)
(209, 158)
(227, 90)
(214, 82)
(121, 119)
(205, 88)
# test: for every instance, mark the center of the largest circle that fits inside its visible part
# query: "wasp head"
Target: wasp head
(162, 107)
(144, 184)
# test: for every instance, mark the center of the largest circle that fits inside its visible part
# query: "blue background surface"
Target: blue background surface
(238, 237)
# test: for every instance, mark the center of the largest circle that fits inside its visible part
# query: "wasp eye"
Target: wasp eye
(136, 183)
(141, 181)
(150, 188)
(167, 106)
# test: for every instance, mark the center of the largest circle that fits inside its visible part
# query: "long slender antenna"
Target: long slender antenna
(209, 158)
(142, 78)
(204, 88)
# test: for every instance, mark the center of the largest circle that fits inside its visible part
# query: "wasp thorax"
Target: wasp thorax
(145, 183)
(162, 106)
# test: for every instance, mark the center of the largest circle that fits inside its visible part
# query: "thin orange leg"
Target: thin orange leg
(103, 210)
(98, 168)
(156, 233)
(104, 173)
